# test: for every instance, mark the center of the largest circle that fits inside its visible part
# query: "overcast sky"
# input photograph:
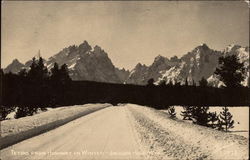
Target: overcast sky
(130, 32)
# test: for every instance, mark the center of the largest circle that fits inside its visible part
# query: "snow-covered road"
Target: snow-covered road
(104, 134)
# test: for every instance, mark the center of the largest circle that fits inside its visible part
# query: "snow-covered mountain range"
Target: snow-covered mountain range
(85, 63)
(200, 62)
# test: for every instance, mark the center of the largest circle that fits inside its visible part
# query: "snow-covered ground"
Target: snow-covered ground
(126, 131)
(15, 130)
(11, 115)
(240, 117)
(177, 139)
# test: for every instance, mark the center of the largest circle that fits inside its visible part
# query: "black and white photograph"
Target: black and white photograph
(124, 80)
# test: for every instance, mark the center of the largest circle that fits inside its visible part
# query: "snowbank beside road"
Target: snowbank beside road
(16, 130)
(240, 117)
(176, 139)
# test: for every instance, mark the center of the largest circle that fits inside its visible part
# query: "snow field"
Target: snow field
(177, 139)
(240, 117)
(16, 130)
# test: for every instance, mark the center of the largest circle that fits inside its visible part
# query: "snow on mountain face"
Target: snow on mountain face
(160, 64)
(84, 63)
(214, 81)
(69, 55)
(87, 64)
(200, 62)
(142, 73)
(95, 66)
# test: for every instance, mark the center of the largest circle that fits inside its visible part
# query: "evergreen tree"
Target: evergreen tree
(171, 112)
(25, 111)
(203, 82)
(177, 84)
(1, 73)
(38, 72)
(42, 70)
(225, 119)
(32, 74)
(187, 113)
(220, 125)
(150, 82)
(64, 74)
(60, 82)
(37, 88)
(4, 111)
(193, 82)
(55, 73)
(200, 115)
(60, 75)
(213, 117)
(230, 71)
(170, 83)
(162, 83)
(22, 73)
(186, 82)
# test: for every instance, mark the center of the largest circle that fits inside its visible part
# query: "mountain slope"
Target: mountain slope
(87, 64)
(200, 62)
(142, 73)
(84, 63)
(14, 67)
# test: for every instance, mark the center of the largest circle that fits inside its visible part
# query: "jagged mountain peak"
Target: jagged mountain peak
(204, 45)
(73, 50)
(15, 61)
(87, 64)
(123, 69)
(85, 46)
(201, 48)
(99, 51)
(139, 65)
(200, 53)
(175, 59)
(160, 59)
(97, 48)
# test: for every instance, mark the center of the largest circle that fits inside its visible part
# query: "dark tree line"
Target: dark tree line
(32, 89)
(159, 97)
